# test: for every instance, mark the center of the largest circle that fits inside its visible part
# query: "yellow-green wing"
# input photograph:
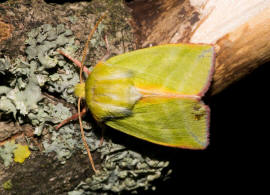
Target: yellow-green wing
(167, 121)
(184, 68)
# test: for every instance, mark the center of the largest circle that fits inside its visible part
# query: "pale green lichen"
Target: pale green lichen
(76, 192)
(4, 65)
(4, 90)
(7, 105)
(42, 52)
(6, 152)
(26, 100)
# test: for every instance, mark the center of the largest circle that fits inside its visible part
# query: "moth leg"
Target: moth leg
(102, 134)
(102, 137)
(77, 62)
(73, 117)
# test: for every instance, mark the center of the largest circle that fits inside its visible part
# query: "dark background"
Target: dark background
(236, 158)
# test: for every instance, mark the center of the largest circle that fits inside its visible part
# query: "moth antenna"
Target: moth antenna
(81, 81)
(87, 43)
(83, 138)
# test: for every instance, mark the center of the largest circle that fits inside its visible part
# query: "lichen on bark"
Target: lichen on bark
(39, 69)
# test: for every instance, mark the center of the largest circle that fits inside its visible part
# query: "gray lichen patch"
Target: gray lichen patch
(4, 65)
(25, 100)
(6, 152)
(67, 140)
(43, 69)
(124, 170)
(22, 93)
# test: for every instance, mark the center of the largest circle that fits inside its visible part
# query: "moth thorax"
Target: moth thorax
(113, 95)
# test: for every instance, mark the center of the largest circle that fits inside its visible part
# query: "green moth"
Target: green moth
(154, 94)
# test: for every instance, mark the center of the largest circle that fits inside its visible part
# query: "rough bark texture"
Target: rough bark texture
(239, 50)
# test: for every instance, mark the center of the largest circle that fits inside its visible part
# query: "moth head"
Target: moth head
(79, 90)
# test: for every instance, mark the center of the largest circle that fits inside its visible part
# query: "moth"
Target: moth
(153, 94)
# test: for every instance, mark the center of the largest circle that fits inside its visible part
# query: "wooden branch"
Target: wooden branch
(239, 31)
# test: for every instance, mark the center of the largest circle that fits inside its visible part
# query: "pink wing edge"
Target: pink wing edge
(204, 90)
